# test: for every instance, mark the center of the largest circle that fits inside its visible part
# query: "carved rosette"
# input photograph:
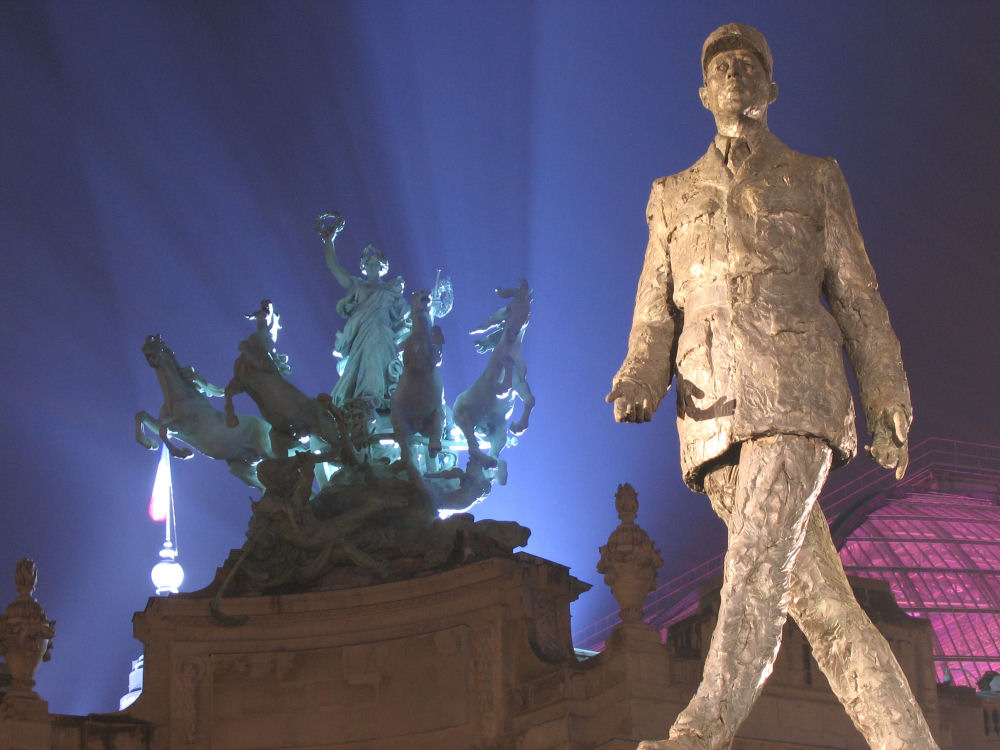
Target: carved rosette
(629, 560)
(25, 633)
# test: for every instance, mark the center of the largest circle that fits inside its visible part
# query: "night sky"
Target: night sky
(161, 165)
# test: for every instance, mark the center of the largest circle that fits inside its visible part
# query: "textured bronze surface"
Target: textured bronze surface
(755, 279)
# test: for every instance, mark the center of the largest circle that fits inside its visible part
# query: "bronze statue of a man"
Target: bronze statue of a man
(744, 249)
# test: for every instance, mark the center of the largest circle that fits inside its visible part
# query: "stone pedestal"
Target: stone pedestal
(18, 732)
(424, 663)
(476, 657)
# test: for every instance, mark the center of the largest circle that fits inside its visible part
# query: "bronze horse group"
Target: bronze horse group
(188, 415)
(291, 421)
(487, 405)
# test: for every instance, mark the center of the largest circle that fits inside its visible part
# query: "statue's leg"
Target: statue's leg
(246, 473)
(233, 387)
(777, 482)
(144, 418)
(406, 454)
(850, 650)
(468, 428)
(282, 445)
(175, 450)
(435, 431)
(523, 390)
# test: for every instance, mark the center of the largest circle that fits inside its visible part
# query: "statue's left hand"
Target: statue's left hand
(634, 401)
(890, 443)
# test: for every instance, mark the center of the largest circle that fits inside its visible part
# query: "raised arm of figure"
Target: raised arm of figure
(329, 225)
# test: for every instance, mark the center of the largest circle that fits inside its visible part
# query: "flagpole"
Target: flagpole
(167, 575)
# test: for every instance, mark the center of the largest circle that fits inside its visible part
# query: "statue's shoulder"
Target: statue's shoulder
(682, 180)
(801, 162)
(665, 187)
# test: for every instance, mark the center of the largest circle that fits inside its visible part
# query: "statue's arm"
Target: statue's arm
(644, 377)
(872, 346)
(333, 262)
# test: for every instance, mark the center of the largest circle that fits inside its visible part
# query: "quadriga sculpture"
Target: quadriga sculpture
(188, 415)
(260, 372)
(417, 403)
(486, 405)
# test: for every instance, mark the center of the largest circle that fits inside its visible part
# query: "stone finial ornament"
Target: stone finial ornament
(630, 559)
(25, 635)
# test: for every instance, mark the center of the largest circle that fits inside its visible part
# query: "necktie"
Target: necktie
(738, 153)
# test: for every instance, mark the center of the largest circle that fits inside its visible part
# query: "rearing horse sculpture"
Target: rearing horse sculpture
(486, 406)
(188, 415)
(417, 403)
(259, 372)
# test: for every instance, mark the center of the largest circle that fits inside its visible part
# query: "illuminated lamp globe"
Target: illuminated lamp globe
(167, 574)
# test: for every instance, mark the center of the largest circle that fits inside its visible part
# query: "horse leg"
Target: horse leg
(403, 433)
(175, 450)
(335, 431)
(282, 446)
(504, 384)
(468, 428)
(501, 471)
(261, 440)
(246, 473)
(435, 430)
(522, 389)
(233, 387)
(145, 419)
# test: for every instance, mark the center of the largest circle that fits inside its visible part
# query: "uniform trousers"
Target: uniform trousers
(781, 560)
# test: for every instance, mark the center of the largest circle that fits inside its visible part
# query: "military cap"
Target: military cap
(737, 36)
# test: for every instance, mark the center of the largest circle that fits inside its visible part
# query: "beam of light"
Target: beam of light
(167, 575)
(159, 499)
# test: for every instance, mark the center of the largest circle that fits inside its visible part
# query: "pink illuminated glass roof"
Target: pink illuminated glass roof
(940, 553)
(934, 537)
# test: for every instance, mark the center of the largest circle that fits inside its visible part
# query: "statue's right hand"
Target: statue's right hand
(634, 402)
(329, 224)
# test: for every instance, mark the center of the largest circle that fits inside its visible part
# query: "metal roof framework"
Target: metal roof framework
(934, 537)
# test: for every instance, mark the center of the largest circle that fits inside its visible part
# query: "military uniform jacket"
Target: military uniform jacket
(752, 285)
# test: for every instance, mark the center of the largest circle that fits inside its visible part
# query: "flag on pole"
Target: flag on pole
(159, 500)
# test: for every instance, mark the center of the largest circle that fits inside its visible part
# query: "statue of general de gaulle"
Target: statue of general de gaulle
(755, 278)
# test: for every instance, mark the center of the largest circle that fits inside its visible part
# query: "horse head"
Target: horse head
(420, 301)
(513, 317)
(157, 353)
(519, 307)
(423, 345)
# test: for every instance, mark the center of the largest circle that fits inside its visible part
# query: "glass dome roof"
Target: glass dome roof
(934, 537)
(936, 540)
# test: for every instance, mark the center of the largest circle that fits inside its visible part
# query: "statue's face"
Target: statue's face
(374, 269)
(737, 84)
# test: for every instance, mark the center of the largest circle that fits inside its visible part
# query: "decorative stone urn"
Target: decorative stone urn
(25, 636)
(629, 560)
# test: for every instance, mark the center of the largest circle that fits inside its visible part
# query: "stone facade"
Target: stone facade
(477, 657)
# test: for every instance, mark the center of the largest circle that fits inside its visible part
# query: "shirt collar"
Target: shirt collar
(753, 141)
